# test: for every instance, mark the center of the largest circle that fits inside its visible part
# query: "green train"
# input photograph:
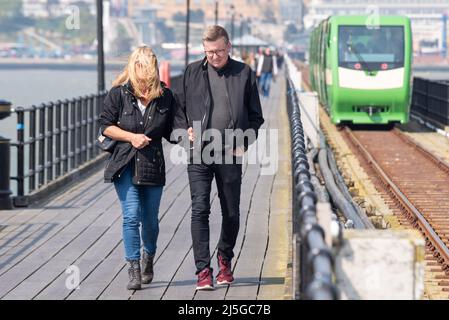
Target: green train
(360, 67)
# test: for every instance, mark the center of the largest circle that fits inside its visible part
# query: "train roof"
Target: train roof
(369, 20)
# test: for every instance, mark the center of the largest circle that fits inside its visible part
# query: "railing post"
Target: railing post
(78, 132)
(65, 141)
(49, 136)
(84, 147)
(5, 191)
(32, 156)
(20, 200)
(90, 121)
(72, 131)
(58, 139)
(41, 150)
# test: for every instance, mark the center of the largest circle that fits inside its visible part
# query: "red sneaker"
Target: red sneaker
(205, 281)
(224, 276)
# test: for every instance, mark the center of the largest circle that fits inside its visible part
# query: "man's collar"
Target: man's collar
(221, 71)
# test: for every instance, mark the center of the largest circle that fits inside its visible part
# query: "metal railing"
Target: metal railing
(54, 139)
(313, 260)
(431, 99)
(55, 145)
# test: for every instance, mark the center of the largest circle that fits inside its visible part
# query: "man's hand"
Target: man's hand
(191, 134)
(238, 152)
(140, 140)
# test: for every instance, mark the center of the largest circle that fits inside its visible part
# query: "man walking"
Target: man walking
(266, 69)
(221, 94)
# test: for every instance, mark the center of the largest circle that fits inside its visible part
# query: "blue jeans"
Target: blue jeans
(265, 81)
(140, 206)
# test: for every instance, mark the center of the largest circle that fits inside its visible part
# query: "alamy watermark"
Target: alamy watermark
(73, 20)
(373, 19)
(213, 146)
(72, 282)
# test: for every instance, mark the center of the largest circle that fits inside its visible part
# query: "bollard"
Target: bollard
(164, 71)
(5, 191)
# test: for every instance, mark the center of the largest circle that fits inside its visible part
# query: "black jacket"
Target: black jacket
(194, 98)
(149, 164)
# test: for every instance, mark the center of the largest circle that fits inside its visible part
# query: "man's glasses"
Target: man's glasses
(219, 53)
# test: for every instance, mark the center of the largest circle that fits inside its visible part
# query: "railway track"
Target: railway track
(414, 183)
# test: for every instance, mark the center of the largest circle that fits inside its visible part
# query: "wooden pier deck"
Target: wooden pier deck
(82, 228)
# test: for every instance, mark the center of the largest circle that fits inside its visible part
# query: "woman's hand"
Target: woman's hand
(191, 134)
(139, 140)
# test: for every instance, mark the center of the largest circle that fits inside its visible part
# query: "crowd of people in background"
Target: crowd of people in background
(265, 63)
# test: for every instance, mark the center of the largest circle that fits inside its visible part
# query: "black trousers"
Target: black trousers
(228, 178)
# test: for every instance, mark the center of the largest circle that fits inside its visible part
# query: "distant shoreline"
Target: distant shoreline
(61, 64)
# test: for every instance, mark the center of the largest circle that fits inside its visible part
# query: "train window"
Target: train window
(371, 49)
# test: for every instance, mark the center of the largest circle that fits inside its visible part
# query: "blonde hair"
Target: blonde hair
(150, 88)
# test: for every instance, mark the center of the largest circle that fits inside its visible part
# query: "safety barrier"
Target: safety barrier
(313, 261)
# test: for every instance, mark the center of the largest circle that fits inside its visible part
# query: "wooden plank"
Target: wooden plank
(86, 262)
(39, 216)
(54, 225)
(95, 283)
(64, 257)
(274, 281)
(24, 268)
(26, 217)
(252, 252)
(7, 215)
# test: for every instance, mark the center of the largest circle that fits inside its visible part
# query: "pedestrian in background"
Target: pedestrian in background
(266, 69)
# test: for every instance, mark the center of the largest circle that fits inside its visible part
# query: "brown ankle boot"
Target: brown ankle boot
(135, 278)
(147, 268)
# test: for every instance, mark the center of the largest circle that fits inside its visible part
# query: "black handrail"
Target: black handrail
(314, 271)
(430, 98)
(65, 140)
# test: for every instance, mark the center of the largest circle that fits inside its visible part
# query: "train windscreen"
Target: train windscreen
(371, 48)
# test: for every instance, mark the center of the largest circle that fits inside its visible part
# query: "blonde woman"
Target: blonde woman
(138, 114)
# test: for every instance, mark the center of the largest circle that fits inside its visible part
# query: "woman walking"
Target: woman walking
(137, 113)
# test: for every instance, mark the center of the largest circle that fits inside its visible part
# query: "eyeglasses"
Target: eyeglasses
(219, 52)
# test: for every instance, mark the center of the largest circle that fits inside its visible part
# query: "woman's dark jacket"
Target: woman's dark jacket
(121, 109)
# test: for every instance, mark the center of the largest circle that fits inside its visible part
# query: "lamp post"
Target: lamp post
(187, 32)
(241, 25)
(232, 12)
(241, 35)
(444, 36)
(216, 12)
(100, 49)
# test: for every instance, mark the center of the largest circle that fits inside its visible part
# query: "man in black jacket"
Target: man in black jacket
(219, 95)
